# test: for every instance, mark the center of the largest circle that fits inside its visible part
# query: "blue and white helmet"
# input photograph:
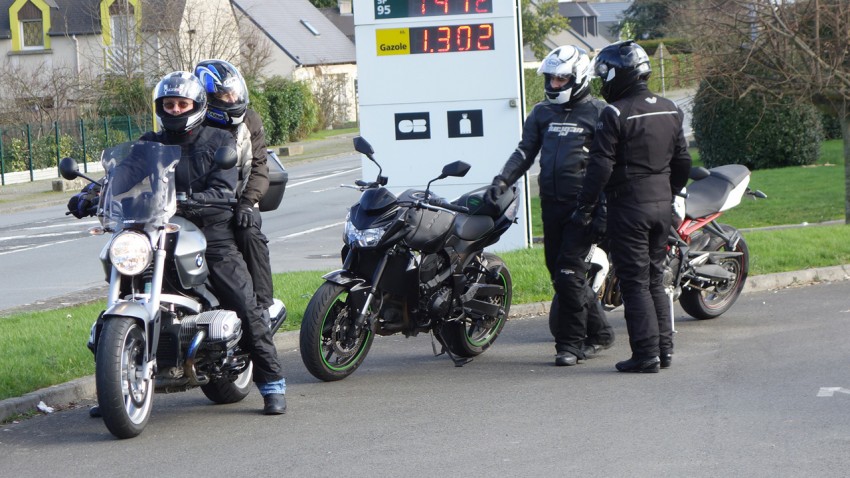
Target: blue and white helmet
(227, 93)
(569, 63)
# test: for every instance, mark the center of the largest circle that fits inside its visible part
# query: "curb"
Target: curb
(66, 395)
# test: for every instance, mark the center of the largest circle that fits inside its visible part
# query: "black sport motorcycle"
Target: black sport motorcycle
(412, 263)
(163, 329)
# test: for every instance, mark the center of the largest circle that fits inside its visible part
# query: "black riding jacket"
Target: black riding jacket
(197, 172)
(562, 135)
(640, 151)
(253, 169)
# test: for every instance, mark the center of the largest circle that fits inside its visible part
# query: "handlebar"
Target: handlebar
(442, 203)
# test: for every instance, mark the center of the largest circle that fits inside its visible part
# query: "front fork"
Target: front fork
(363, 313)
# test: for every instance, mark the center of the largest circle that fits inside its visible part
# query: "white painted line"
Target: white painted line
(308, 231)
(339, 173)
(37, 247)
(830, 391)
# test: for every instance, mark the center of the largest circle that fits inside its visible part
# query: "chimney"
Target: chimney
(344, 7)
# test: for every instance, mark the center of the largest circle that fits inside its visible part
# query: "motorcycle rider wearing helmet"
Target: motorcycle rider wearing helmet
(561, 129)
(640, 159)
(227, 109)
(181, 103)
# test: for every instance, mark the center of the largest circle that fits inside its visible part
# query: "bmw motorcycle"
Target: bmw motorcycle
(707, 262)
(163, 329)
(412, 263)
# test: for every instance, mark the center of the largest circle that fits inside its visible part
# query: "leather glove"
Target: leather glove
(199, 197)
(85, 202)
(495, 191)
(598, 226)
(583, 214)
(244, 216)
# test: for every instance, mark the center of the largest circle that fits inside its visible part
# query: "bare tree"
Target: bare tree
(37, 94)
(781, 48)
(206, 29)
(256, 51)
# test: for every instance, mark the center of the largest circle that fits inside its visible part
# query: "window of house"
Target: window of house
(32, 27)
(32, 33)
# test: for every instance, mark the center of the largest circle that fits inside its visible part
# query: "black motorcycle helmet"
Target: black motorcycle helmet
(621, 65)
(180, 84)
(227, 94)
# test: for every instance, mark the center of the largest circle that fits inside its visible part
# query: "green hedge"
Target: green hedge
(288, 109)
(753, 131)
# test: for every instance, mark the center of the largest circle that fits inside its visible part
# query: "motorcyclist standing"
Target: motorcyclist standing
(227, 108)
(640, 158)
(561, 129)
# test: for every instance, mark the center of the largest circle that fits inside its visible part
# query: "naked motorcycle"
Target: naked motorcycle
(163, 329)
(707, 262)
(412, 263)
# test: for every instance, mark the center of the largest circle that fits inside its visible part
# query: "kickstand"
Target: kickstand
(459, 362)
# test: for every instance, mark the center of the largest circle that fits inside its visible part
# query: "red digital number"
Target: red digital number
(485, 34)
(478, 9)
(461, 44)
(444, 38)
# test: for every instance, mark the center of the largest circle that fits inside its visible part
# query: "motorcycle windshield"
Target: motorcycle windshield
(140, 187)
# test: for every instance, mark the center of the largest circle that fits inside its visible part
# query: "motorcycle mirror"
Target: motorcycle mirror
(68, 169)
(457, 169)
(225, 157)
(362, 146)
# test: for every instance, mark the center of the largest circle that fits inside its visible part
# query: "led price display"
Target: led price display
(435, 39)
(427, 8)
(448, 39)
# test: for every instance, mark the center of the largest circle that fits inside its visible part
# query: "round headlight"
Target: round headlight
(130, 253)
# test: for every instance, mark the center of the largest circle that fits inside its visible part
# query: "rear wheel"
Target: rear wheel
(124, 391)
(327, 348)
(717, 299)
(474, 335)
(224, 391)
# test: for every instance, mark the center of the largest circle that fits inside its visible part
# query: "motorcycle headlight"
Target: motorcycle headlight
(363, 237)
(130, 253)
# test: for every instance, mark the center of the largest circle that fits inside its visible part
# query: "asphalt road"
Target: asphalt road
(763, 391)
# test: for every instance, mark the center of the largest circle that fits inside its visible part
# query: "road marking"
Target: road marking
(323, 177)
(308, 231)
(37, 247)
(830, 391)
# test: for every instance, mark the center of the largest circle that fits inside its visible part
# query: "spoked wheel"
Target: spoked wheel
(224, 391)
(717, 299)
(474, 335)
(124, 392)
(328, 349)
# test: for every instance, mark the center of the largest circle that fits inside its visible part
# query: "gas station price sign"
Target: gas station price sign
(435, 39)
(429, 8)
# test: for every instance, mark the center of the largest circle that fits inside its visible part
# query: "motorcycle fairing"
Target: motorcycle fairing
(139, 188)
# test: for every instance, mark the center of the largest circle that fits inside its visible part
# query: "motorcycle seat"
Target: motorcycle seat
(714, 193)
(470, 228)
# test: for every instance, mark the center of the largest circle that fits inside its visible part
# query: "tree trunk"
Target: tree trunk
(845, 135)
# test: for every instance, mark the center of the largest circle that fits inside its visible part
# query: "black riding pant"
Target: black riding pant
(581, 319)
(234, 289)
(254, 246)
(638, 234)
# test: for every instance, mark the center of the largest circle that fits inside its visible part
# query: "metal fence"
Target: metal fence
(29, 152)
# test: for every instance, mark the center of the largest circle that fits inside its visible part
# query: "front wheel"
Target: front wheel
(714, 300)
(473, 335)
(124, 390)
(224, 391)
(328, 349)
